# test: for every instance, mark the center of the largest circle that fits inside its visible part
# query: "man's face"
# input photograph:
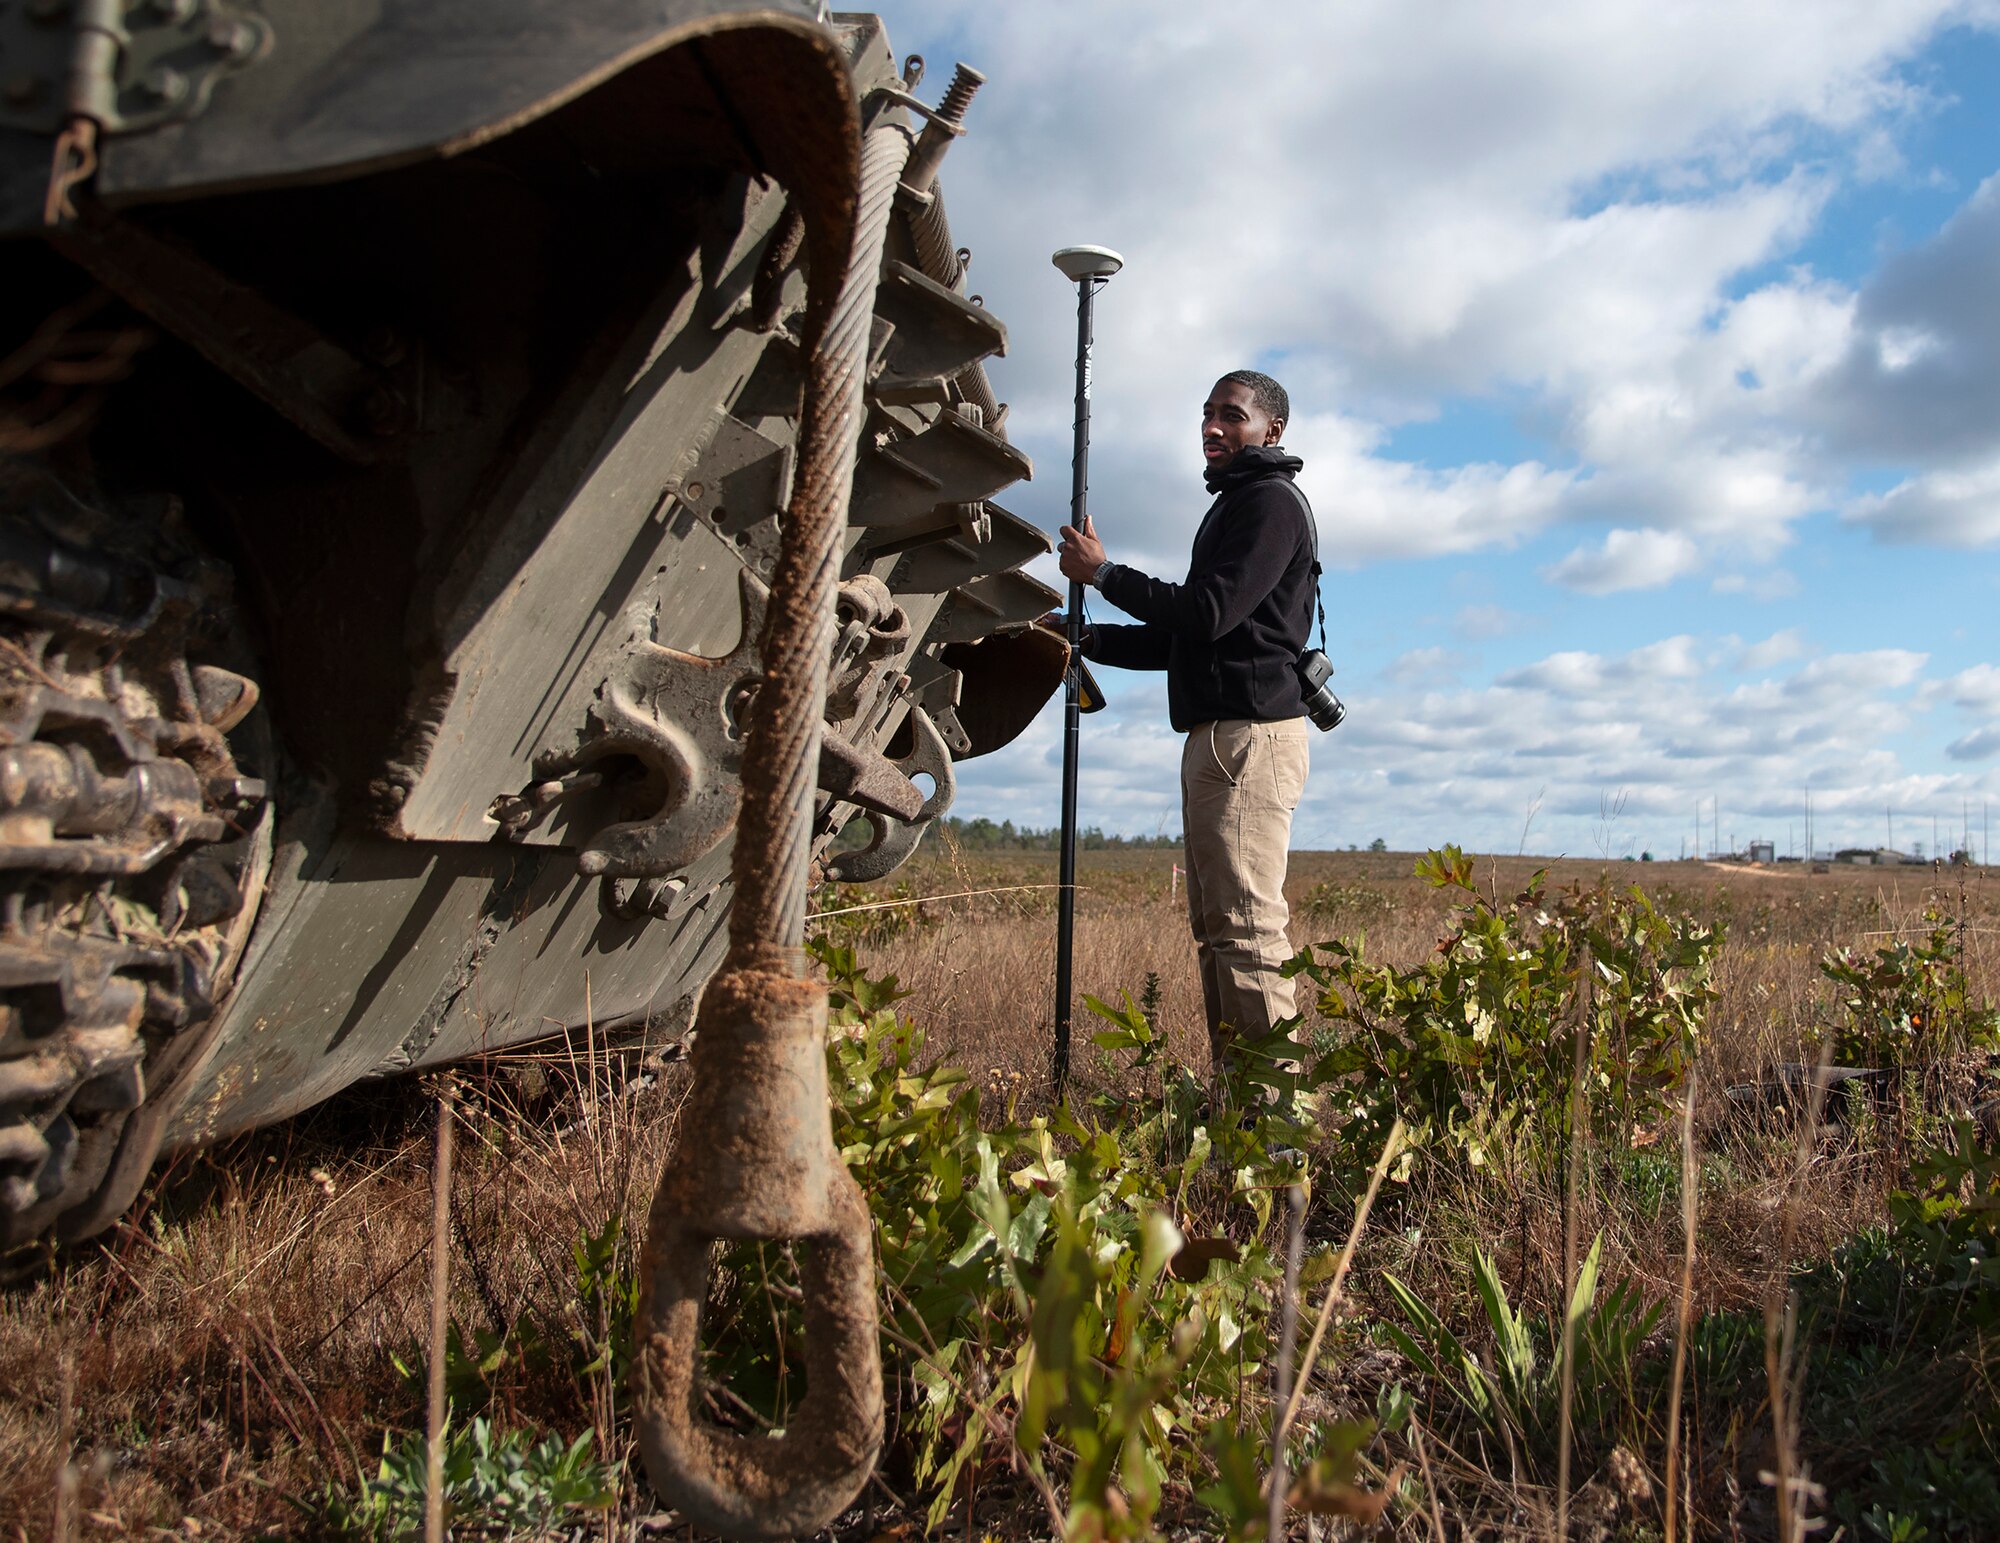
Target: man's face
(1231, 421)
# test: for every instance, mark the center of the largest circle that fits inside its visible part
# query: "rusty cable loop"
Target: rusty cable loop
(756, 1159)
(781, 754)
(74, 163)
(66, 366)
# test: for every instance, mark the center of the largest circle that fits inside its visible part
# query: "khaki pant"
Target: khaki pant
(1240, 782)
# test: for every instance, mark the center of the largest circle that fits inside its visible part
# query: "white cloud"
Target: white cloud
(1571, 672)
(1670, 659)
(1981, 745)
(1920, 378)
(1478, 623)
(1771, 584)
(1779, 648)
(1656, 726)
(1432, 666)
(1432, 753)
(1628, 559)
(1370, 508)
(1900, 347)
(1577, 674)
(1840, 677)
(1556, 205)
(1977, 689)
(1587, 219)
(1946, 508)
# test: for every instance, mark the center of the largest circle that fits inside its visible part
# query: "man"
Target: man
(1229, 638)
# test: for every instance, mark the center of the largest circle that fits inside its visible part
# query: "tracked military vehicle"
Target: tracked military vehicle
(397, 418)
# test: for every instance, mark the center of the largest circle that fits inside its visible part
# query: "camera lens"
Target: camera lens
(1322, 706)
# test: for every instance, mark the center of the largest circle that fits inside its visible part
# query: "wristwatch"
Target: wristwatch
(1097, 578)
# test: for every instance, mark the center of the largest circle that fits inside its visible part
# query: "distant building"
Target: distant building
(1763, 852)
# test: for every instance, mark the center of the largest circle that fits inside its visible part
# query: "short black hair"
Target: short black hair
(1265, 392)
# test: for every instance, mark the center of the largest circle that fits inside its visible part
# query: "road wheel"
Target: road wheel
(135, 839)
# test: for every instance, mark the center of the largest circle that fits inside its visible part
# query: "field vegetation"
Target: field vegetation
(1560, 1221)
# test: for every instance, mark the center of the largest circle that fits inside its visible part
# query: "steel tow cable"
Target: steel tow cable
(755, 1159)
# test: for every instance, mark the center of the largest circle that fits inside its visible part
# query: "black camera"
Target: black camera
(1322, 706)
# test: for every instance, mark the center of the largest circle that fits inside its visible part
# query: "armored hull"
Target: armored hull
(399, 415)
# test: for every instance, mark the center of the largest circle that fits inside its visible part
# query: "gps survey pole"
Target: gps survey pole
(1089, 268)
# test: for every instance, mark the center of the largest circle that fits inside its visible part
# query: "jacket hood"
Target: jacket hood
(1253, 463)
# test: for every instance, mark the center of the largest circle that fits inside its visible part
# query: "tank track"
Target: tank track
(133, 845)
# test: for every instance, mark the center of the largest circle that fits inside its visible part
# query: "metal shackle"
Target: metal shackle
(756, 1160)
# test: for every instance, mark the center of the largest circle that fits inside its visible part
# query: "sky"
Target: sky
(1645, 364)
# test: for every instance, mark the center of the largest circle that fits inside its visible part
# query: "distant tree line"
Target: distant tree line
(983, 835)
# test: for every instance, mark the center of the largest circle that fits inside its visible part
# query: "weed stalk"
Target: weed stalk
(447, 1117)
(1579, 1110)
(63, 1528)
(1790, 1480)
(1333, 1289)
(1684, 1326)
(1281, 1373)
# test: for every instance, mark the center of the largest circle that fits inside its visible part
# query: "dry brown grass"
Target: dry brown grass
(982, 971)
(236, 1340)
(234, 1343)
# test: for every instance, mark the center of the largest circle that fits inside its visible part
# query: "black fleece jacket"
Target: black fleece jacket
(1229, 637)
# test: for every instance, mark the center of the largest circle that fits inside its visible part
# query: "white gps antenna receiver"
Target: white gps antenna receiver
(1087, 262)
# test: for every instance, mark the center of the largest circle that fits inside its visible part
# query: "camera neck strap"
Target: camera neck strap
(1315, 604)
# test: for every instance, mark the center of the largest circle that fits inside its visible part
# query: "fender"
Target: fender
(340, 88)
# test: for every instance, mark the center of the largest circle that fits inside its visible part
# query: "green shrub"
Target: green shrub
(1908, 1003)
(1038, 1292)
(496, 1483)
(590, 1343)
(1514, 1392)
(1950, 1216)
(867, 915)
(1899, 1368)
(1475, 1048)
(1329, 901)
